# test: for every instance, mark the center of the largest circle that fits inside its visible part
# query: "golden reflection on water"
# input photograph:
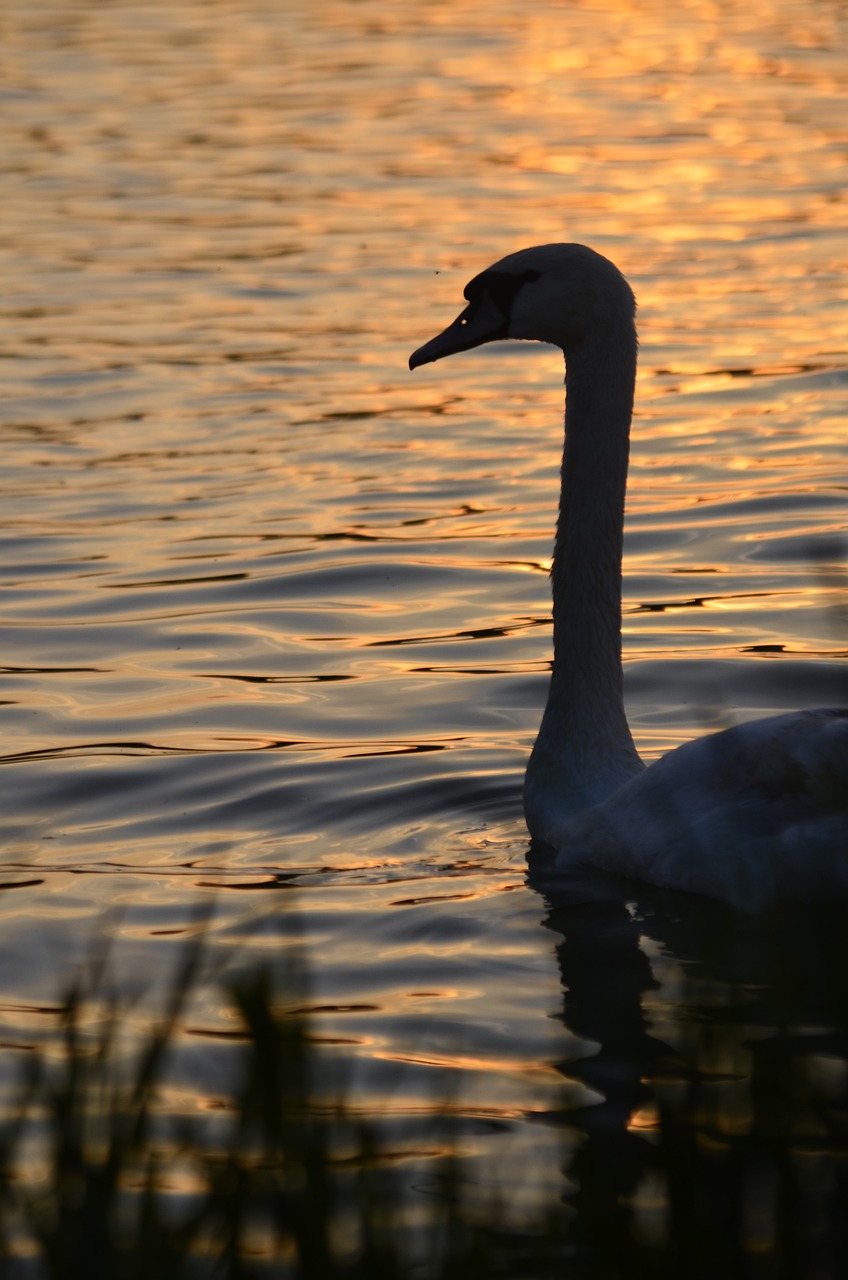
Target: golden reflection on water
(276, 608)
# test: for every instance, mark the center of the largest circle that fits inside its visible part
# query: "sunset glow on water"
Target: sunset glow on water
(276, 611)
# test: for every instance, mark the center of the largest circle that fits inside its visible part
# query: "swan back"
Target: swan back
(751, 815)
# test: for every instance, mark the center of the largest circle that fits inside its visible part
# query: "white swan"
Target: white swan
(754, 813)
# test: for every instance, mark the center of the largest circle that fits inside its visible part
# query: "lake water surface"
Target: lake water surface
(276, 612)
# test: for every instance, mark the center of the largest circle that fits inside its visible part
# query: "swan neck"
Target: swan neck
(586, 572)
(585, 750)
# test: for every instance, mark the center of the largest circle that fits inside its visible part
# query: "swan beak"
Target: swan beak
(482, 321)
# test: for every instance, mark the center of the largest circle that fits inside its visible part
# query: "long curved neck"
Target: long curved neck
(584, 750)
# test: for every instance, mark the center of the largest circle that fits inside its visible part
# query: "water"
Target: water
(276, 611)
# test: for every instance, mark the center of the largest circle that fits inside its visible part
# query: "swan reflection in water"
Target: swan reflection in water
(750, 816)
(718, 1054)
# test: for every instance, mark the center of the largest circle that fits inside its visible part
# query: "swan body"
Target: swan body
(755, 813)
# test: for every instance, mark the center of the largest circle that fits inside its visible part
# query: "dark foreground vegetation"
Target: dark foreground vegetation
(99, 1178)
(95, 1181)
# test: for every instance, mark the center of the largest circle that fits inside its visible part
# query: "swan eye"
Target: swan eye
(500, 287)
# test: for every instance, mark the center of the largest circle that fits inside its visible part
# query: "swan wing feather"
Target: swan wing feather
(751, 814)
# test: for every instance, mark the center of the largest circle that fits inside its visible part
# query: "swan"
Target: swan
(749, 815)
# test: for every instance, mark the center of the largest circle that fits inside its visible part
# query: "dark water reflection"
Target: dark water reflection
(717, 1141)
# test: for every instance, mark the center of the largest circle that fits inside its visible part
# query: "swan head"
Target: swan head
(563, 294)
